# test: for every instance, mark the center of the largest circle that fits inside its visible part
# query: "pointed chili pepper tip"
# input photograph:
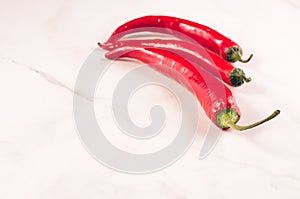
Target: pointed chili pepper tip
(100, 44)
(105, 46)
(229, 117)
(235, 54)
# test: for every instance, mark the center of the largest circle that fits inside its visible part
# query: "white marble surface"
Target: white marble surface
(42, 47)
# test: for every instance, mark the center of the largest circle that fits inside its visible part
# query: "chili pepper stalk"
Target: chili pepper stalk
(229, 117)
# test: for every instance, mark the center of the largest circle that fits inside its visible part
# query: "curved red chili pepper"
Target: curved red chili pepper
(195, 53)
(207, 37)
(215, 98)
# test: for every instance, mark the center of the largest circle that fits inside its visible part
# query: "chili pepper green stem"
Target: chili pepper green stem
(246, 79)
(229, 117)
(237, 77)
(235, 54)
(247, 60)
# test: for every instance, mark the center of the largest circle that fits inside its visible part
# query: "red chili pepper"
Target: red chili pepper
(183, 29)
(216, 99)
(195, 53)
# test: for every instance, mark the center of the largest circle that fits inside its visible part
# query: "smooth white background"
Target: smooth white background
(42, 47)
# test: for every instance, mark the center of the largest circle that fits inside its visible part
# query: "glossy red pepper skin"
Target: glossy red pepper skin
(193, 52)
(215, 98)
(205, 36)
